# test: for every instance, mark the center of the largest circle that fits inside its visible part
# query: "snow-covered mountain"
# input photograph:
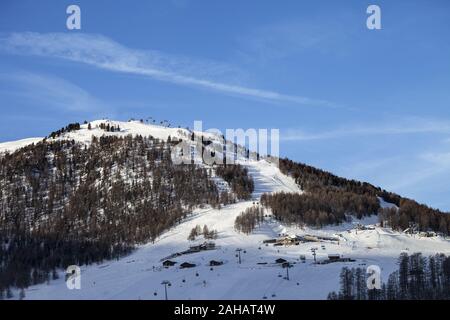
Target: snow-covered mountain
(258, 275)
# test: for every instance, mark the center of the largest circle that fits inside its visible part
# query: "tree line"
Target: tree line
(70, 127)
(417, 278)
(310, 179)
(205, 232)
(319, 208)
(107, 127)
(415, 216)
(336, 196)
(247, 221)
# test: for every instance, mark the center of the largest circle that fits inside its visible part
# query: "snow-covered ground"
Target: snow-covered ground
(126, 128)
(15, 145)
(84, 135)
(139, 275)
(268, 178)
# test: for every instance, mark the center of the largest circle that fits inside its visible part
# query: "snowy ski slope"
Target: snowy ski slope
(139, 275)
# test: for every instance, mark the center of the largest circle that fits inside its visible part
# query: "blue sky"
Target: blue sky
(366, 104)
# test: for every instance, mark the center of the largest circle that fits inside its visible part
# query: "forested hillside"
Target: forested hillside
(62, 202)
(238, 178)
(319, 208)
(327, 199)
(70, 199)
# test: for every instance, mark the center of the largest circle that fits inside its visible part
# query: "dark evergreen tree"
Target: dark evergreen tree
(417, 278)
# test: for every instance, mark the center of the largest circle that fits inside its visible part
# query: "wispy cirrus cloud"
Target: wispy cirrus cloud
(401, 127)
(441, 159)
(429, 168)
(288, 38)
(104, 53)
(53, 92)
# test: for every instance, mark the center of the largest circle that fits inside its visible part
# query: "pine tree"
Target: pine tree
(332, 296)
(360, 284)
(346, 284)
(205, 231)
(22, 294)
(403, 276)
(392, 290)
(9, 293)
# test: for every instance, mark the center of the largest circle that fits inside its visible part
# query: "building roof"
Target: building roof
(187, 265)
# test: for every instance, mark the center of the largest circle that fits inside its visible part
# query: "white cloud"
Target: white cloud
(104, 53)
(404, 126)
(50, 91)
(441, 159)
(425, 169)
(284, 39)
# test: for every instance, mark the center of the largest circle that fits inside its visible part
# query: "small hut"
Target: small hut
(185, 265)
(334, 257)
(168, 263)
(280, 260)
(215, 263)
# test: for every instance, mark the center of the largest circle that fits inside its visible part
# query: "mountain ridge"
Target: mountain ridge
(124, 160)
